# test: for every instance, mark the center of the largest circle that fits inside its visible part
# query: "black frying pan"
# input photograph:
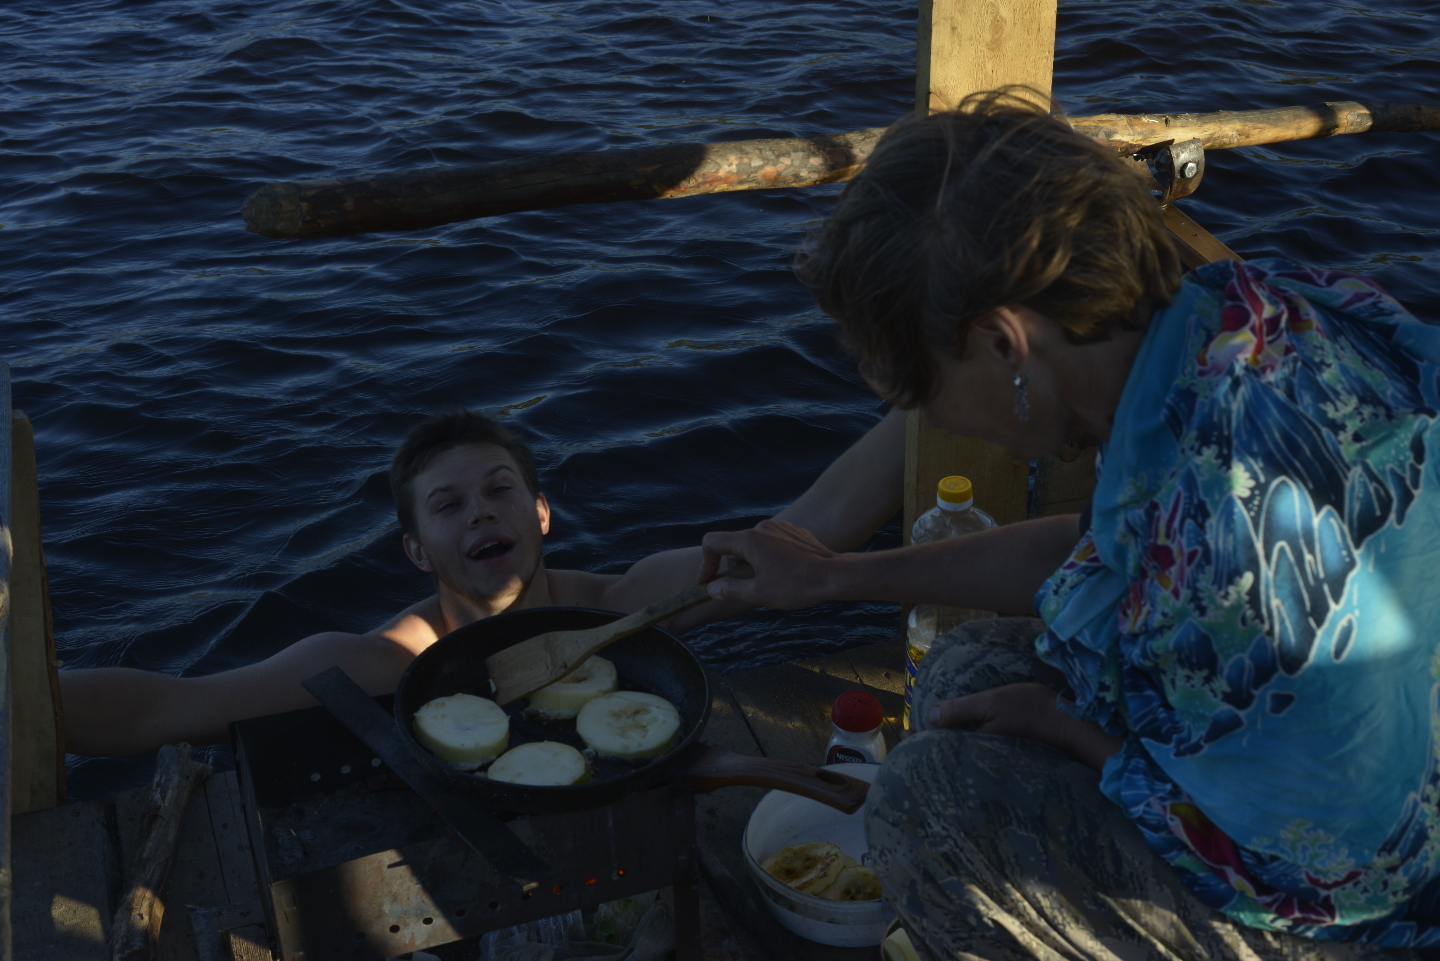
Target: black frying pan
(654, 661)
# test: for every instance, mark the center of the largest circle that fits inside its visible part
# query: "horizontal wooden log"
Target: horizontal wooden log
(1247, 128)
(417, 199)
(441, 195)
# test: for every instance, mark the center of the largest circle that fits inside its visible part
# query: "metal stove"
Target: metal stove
(354, 864)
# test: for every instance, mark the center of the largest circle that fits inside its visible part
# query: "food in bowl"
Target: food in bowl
(822, 869)
(564, 699)
(809, 867)
(466, 730)
(543, 763)
(630, 725)
(856, 883)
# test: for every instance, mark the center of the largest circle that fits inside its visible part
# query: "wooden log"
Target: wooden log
(6, 952)
(38, 769)
(427, 198)
(136, 929)
(1247, 128)
(417, 199)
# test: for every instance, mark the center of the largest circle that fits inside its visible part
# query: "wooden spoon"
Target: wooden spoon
(526, 667)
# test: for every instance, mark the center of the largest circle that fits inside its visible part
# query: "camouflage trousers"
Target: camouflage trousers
(1002, 849)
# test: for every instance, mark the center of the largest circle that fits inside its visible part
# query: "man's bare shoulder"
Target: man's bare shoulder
(415, 628)
(580, 588)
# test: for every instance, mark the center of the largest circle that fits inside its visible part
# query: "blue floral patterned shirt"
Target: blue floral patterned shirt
(1256, 606)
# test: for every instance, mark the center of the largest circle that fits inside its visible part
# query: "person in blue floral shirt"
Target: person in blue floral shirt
(1219, 737)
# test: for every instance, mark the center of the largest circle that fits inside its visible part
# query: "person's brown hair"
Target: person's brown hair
(435, 435)
(962, 212)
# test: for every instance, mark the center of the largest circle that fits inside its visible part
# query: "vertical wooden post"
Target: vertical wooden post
(6, 881)
(965, 46)
(37, 773)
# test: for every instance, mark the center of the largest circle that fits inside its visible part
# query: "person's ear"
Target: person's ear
(1003, 335)
(416, 552)
(542, 511)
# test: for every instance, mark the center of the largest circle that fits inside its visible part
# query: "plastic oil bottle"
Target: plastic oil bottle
(954, 514)
(857, 738)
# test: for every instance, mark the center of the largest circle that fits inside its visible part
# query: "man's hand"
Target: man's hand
(789, 565)
(1027, 711)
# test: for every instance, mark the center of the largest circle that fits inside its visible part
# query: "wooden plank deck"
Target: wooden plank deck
(782, 711)
(70, 860)
(214, 871)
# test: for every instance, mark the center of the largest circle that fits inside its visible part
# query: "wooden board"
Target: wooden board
(5, 679)
(879, 666)
(1000, 476)
(876, 668)
(37, 775)
(966, 46)
(1064, 486)
(232, 842)
(721, 817)
(213, 863)
(969, 45)
(67, 882)
(1197, 245)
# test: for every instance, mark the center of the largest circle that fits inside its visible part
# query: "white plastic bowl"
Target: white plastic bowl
(782, 819)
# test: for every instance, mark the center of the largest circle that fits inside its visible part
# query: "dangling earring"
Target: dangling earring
(1022, 397)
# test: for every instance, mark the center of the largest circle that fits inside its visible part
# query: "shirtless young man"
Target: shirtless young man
(467, 495)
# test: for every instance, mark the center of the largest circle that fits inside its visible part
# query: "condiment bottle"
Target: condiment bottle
(856, 738)
(954, 514)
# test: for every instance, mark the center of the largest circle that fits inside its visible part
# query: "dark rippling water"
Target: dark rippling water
(214, 411)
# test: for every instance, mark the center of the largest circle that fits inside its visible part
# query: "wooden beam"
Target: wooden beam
(418, 199)
(1063, 484)
(6, 881)
(1197, 245)
(1128, 132)
(411, 200)
(966, 46)
(1000, 476)
(37, 774)
(67, 882)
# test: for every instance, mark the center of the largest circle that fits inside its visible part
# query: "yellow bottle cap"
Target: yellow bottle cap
(955, 490)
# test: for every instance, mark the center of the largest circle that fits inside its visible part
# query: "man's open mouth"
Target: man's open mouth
(491, 549)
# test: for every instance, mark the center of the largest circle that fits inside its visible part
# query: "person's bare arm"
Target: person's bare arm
(858, 492)
(995, 570)
(861, 490)
(122, 712)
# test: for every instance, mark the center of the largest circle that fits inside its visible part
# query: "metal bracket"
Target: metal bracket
(1174, 168)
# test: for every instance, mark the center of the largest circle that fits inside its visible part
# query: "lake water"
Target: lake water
(214, 411)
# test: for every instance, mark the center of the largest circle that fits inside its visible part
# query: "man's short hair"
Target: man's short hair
(963, 212)
(435, 435)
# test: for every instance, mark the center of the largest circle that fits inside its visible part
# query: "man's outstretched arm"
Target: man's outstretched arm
(861, 490)
(123, 712)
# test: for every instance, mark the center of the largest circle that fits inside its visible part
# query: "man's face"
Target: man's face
(477, 528)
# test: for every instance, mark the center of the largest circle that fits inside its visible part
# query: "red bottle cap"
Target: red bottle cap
(857, 711)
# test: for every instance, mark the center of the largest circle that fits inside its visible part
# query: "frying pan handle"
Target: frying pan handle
(718, 768)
